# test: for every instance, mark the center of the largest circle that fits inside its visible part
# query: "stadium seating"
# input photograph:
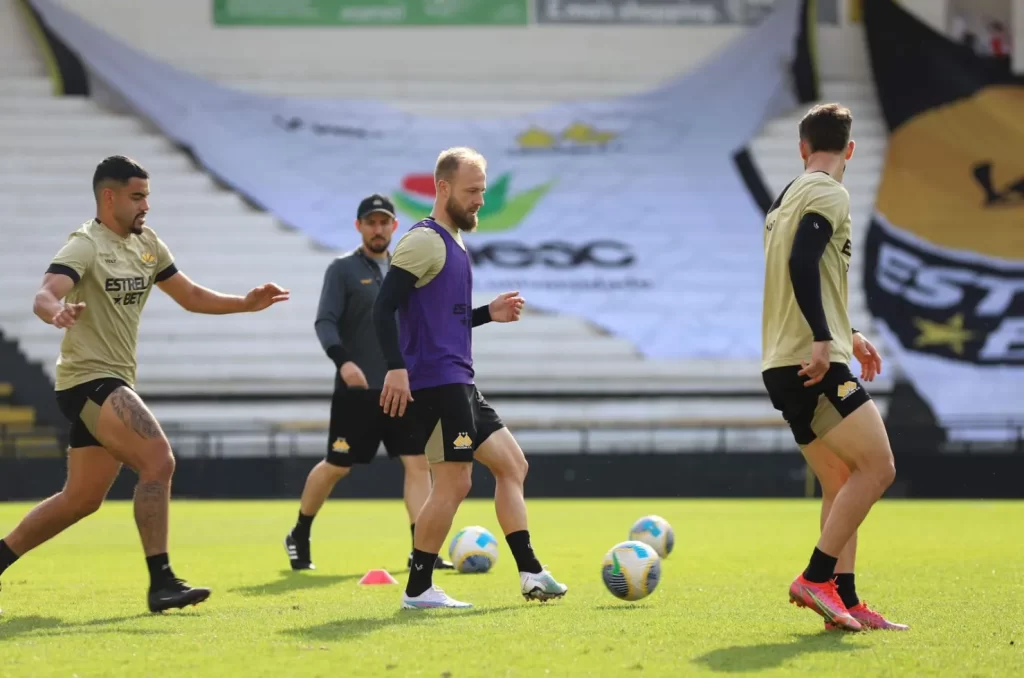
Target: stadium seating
(50, 146)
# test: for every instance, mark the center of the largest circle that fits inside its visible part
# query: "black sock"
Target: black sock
(7, 556)
(303, 525)
(522, 551)
(847, 589)
(421, 574)
(412, 529)
(160, 570)
(821, 568)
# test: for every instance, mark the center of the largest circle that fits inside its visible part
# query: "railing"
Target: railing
(283, 439)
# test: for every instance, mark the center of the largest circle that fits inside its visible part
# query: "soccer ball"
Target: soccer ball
(655, 532)
(473, 549)
(631, 570)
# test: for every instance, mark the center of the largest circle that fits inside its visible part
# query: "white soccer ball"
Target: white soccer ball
(473, 549)
(631, 570)
(656, 533)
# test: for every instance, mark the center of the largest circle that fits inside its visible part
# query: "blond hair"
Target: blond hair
(449, 161)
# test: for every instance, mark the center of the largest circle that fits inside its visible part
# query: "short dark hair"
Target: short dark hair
(826, 128)
(117, 168)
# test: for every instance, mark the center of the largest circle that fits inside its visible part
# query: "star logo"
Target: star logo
(950, 333)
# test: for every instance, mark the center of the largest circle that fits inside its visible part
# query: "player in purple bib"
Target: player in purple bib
(429, 355)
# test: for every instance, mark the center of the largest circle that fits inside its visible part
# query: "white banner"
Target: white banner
(629, 213)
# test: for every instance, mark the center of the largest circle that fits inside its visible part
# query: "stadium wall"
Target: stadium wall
(920, 474)
(183, 33)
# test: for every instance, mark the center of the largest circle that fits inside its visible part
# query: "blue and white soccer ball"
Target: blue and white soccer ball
(473, 549)
(655, 532)
(631, 570)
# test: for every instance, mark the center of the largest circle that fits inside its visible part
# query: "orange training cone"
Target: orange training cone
(378, 577)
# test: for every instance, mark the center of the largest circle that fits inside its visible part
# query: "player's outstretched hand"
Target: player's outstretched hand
(265, 296)
(395, 394)
(507, 307)
(868, 357)
(67, 315)
(816, 369)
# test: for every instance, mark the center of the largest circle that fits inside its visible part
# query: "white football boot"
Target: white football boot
(541, 586)
(432, 598)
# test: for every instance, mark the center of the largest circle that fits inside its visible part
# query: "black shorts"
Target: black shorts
(359, 425)
(814, 411)
(455, 420)
(81, 406)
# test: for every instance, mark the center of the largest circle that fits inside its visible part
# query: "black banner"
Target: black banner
(957, 309)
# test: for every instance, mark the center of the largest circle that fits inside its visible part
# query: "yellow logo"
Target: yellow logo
(846, 389)
(366, 281)
(463, 442)
(148, 258)
(577, 137)
(340, 445)
(951, 333)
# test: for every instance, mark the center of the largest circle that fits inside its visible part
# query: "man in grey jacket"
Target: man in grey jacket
(344, 325)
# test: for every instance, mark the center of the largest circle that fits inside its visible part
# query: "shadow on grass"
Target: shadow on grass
(623, 607)
(739, 658)
(13, 626)
(344, 629)
(292, 580)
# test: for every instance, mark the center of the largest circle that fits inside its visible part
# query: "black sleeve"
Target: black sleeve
(168, 272)
(328, 312)
(61, 269)
(481, 315)
(812, 237)
(395, 289)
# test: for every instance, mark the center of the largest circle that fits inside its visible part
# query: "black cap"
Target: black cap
(375, 203)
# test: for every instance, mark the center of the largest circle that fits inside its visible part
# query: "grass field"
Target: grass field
(954, 571)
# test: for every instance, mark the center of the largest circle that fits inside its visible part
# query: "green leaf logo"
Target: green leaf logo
(500, 212)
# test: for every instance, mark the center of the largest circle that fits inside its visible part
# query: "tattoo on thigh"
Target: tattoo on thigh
(134, 415)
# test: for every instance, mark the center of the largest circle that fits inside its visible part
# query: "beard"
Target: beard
(136, 224)
(377, 245)
(462, 219)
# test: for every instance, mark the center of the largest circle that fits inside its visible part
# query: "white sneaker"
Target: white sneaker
(541, 586)
(431, 598)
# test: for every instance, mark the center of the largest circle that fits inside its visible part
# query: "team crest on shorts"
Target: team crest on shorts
(340, 445)
(463, 442)
(845, 390)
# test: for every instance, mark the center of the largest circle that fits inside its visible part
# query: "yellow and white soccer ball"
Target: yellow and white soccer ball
(631, 570)
(655, 532)
(473, 549)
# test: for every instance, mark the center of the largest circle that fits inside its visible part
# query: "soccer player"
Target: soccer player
(807, 346)
(104, 274)
(431, 373)
(358, 424)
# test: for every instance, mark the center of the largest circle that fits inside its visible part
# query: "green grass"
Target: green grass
(952, 570)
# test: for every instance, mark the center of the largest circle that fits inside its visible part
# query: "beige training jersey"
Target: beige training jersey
(421, 251)
(113, 276)
(786, 338)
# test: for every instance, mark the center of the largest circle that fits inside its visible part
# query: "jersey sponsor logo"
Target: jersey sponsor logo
(126, 291)
(462, 442)
(844, 391)
(340, 445)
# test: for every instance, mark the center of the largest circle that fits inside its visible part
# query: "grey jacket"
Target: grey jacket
(344, 317)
